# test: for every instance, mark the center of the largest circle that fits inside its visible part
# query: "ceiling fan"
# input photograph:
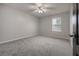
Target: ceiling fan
(41, 7)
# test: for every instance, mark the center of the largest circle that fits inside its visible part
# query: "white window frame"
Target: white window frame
(56, 27)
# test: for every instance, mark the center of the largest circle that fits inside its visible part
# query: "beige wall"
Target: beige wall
(46, 26)
(16, 24)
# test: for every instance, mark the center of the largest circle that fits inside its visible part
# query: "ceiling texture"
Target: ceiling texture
(53, 8)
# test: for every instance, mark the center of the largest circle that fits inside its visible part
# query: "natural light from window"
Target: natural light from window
(56, 24)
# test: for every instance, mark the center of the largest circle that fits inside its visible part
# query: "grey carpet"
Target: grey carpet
(36, 46)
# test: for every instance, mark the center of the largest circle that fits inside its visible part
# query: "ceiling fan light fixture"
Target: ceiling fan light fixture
(40, 9)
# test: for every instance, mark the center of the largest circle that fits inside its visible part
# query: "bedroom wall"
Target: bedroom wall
(46, 26)
(15, 24)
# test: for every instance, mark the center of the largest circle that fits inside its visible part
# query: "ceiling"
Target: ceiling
(55, 8)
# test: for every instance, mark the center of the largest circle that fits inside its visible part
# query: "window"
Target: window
(56, 24)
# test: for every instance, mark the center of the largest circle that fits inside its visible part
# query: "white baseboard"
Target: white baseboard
(17, 39)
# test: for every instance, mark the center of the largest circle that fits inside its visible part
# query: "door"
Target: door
(75, 29)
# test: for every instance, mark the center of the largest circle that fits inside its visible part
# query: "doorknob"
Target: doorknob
(71, 35)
